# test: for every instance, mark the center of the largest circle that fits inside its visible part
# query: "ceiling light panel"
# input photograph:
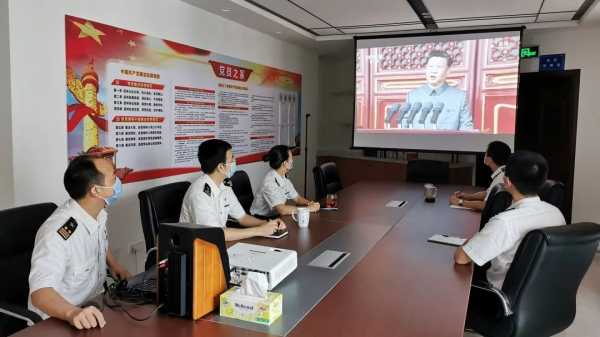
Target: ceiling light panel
(360, 12)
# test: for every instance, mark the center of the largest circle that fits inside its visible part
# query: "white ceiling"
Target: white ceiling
(341, 13)
(309, 22)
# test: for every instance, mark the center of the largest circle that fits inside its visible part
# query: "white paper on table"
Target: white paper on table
(460, 207)
(396, 203)
(447, 240)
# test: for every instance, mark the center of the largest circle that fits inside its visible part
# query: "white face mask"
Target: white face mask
(290, 165)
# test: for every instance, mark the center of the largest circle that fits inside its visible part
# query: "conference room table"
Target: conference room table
(405, 286)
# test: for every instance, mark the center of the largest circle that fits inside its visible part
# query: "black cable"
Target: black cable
(119, 294)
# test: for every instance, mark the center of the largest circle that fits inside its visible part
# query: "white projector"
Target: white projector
(275, 263)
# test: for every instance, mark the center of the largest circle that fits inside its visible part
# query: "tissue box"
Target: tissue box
(251, 309)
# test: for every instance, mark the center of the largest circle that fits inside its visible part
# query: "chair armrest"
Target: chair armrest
(488, 287)
(21, 313)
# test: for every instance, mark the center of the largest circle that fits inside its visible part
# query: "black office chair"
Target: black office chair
(327, 179)
(538, 297)
(242, 188)
(553, 192)
(428, 171)
(497, 202)
(18, 227)
(159, 204)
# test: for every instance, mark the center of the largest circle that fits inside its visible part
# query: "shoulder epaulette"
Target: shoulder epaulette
(66, 230)
(207, 189)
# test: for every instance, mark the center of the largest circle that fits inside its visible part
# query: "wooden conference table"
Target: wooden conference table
(404, 286)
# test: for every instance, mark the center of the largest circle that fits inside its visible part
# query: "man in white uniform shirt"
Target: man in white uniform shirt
(499, 240)
(210, 201)
(496, 155)
(68, 264)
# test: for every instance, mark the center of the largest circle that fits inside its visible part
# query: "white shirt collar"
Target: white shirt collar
(91, 224)
(277, 176)
(498, 171)
(213, 186)
(526, 201)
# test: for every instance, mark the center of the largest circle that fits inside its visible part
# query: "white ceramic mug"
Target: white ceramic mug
(303, 216)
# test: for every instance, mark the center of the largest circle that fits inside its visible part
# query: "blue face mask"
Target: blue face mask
(232, 169)
(117, 189)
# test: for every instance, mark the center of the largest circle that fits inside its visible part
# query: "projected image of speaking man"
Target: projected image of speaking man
(436, 105)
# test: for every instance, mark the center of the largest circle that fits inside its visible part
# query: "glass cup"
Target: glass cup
(331, 200)
(430, 192)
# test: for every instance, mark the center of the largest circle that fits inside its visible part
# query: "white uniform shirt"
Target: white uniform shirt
(499, 240)
(70, 260)
(207, 204)
(275, 190)
(497, 178)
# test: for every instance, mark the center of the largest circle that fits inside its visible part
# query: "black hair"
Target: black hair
(439, 53)
(499, 152)
(527, 171)
(81, 175)
(211, 153)
(277, 155)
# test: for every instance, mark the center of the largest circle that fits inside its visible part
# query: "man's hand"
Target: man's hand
(279, 223)
(117, 270)
(270, 227)
(454, 199)
(86, 318)
(314, 206)
(120, 272)
(460, 257)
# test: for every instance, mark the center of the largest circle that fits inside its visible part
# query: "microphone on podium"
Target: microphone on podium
(403, 110)
(391, 111)
(425, 111)
(396, 109)
(413, 112)
(437, 110)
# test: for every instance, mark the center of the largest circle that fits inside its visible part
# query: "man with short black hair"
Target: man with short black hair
(499, 240)
(68, 264)
(452, 102)
(495, 158)
(210, 201)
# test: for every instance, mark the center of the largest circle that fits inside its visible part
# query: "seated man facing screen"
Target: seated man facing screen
(499, 240)
(68, 264)
(496, 155)
(209, 201)
(277, 189)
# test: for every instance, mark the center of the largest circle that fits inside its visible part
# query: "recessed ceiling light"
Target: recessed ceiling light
(226, 9)
(277, 32)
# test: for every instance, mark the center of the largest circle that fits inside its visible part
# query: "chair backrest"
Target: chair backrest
(497, 202)
(18, 227)
(428, 171)
(546, 272)
(327, 179)
(553, 192)
(242, 188)
(160, 204)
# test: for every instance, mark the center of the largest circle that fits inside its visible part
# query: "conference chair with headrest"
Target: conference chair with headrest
(242, 188)
(18, 228)
(327, 179)
(498, 201)
(428, 171)
(159, 204)
(553, 192)
(538, 297)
